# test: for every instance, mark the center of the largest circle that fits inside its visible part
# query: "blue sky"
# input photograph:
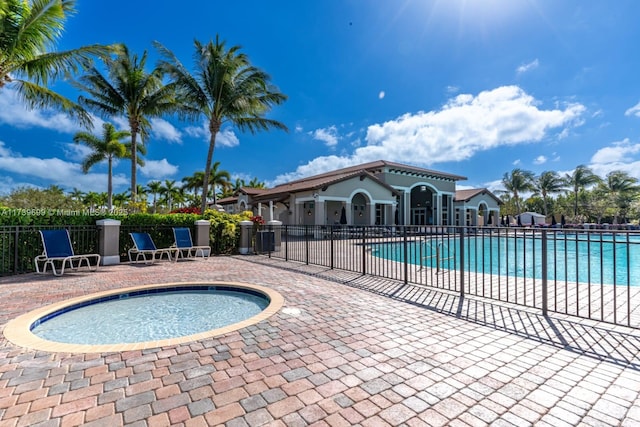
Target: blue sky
(470, 87)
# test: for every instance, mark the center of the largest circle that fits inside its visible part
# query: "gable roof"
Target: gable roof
(365, 170)
(467, 195)
(318, 182)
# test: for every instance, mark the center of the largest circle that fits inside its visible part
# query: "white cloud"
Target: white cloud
(299, 128)
(516, 162)
(633, 111)
(158, 169)
(619, 152)
(76, 152)
(164, 130)
(56, 171)
(540, 160)
(14, 113)
(619, 156)
(467, 124)
(528, 67)
(451, 90)
(327, 135)
(225, 138)
(381, 95)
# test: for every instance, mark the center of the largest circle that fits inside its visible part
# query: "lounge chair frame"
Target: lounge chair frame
(58, 249)
(143, 245)
(184, 244)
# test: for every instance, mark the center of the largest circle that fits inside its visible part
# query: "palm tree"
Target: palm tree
(225, 88)
(29, 31)
(131, 91)
(622, 189)
(107, 147)
(255, 183)
(169, 190)
(517, 182)
(76, 194)
(547, 183)
(120, 199)
(91, 199)
(193, 182)
(581, 177)
(238, 184)
(154, 187)
(218, 178)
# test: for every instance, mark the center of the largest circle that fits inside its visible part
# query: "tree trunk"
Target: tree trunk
(110, 185)
(134, 158)
(214, 127)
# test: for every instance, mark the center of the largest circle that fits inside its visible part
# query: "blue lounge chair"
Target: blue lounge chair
(186, 249)
(143, 245)
(58, 249)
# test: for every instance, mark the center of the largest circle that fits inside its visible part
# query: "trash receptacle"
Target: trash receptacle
(265, 241)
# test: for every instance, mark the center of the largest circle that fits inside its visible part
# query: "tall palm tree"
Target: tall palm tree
(622, 189)
(154, 187)
(581, 178)
(29, 31)
(218, 178)
(225, 88)
(548, 183)
(516, 182)
(131, 91)
(107, 147)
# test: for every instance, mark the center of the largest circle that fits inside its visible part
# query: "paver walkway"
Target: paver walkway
(344, 350)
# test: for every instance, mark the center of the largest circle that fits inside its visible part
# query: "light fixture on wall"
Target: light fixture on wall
(335, 213)
(309, 212)
(360, 214)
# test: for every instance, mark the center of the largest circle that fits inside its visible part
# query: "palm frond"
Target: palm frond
(36, 96)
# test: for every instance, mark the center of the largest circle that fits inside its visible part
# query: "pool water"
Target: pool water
(153, 316)
(570, 257)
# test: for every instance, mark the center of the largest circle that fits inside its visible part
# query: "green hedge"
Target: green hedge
(224, 233)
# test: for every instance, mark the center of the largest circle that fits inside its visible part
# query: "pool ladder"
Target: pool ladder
(437, 256)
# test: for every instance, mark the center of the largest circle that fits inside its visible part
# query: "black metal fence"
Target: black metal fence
(19, 245)
(593, 274)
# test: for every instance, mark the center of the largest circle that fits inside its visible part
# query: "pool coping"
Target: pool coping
(18, 330)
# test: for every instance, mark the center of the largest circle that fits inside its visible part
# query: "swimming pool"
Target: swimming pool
(143, 317)
(593, 258)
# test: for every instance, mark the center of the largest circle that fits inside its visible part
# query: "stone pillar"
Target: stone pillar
(276, 227)
(203, 229)
(246, 231)
(109, 241)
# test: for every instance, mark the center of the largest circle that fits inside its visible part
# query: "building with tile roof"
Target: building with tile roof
(375, 193)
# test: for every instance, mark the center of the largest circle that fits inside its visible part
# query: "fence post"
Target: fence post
(545, 283)
(364, 252)
(286, 242)
(306, 244)
(331, 247)
(16, 240)
(109, 241)
(406, 256)
(461, 262)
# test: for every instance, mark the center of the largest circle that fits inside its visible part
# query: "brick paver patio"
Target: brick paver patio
(344, 350)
